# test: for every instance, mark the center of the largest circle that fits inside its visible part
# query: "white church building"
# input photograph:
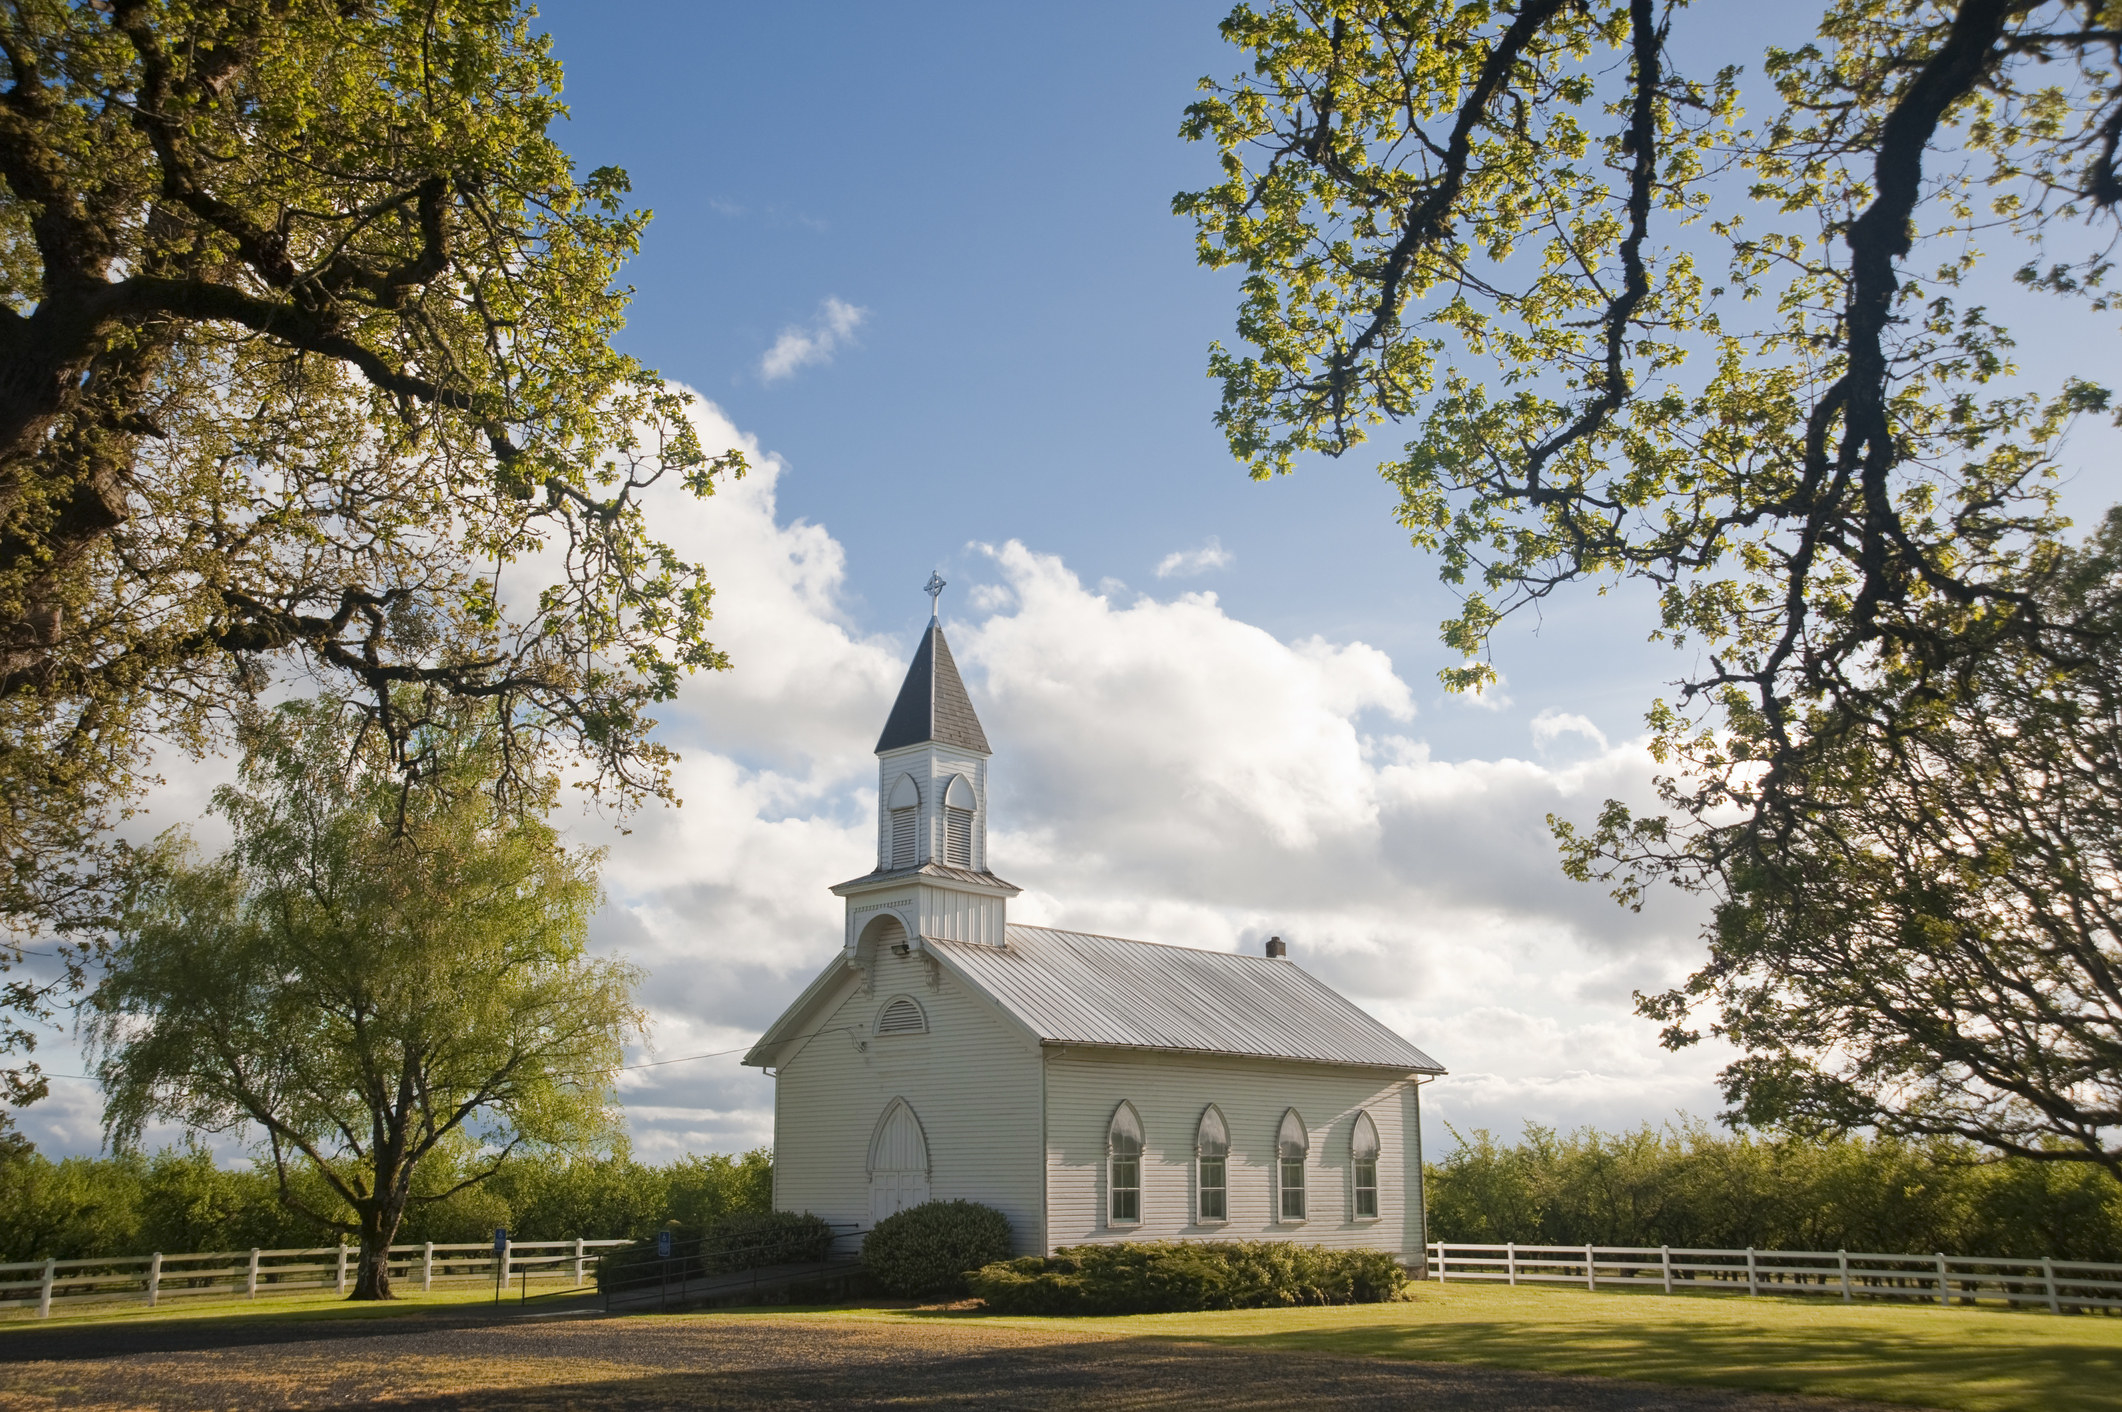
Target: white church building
(1091, 1088)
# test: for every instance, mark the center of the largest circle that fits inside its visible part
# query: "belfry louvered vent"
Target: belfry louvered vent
(902, 1016)
(958, 837)
(903, 837)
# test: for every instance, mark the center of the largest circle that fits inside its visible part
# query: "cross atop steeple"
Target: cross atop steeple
(934, 589)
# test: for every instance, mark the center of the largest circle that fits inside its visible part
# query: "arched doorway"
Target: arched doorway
(898, 1162)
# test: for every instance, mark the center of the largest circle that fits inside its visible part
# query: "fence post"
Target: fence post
(1753, 1276)
(44, 1290)
(578, 1262)
(250, 1281)
(2048, 1282)
(1944, 1298)
(1511, 1261)
(1842, 1258)
(427, 1268)
(508, 1260)
(1591, 1269)
(1440, 1262)
(342, 1264)
(154, 1278)
(1665, 1260)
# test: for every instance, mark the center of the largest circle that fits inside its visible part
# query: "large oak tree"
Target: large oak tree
(306, 366)
(1757, 360)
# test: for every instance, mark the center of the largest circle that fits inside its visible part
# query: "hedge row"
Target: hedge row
(1691, 1185)
(1163, 1277)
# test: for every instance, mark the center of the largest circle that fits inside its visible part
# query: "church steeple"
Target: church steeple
(932, 877)
(932, 704)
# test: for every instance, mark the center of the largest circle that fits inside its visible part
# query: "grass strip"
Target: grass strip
(1968, 1360)
(271, 1307)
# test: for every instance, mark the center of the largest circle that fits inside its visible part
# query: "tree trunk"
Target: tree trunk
(379, 1226)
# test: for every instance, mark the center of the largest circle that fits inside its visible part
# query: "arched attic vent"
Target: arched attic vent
(902, 1015)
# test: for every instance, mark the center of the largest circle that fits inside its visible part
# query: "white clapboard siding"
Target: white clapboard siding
(972, 1079)
(1170, 1091)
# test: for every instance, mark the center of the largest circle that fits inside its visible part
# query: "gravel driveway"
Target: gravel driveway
(646, 1361)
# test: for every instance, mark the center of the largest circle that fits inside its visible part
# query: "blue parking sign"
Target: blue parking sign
(500, 1240)
(663, 1245)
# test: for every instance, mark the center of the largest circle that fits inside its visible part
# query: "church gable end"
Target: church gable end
(1090, 1087)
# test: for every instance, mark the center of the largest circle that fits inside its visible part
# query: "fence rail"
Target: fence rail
(692, 1271)
(248, 1274)
(2055, 1285)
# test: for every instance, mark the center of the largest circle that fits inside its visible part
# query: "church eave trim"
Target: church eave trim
(1053, 1045)
(787, 1034)
(928, 872)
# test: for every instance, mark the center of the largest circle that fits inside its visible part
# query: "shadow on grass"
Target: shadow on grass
(1134, 1374)
(1931, 1369)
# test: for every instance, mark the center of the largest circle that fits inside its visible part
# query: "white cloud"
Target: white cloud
(1551, 725)
(801, 345)
(1185, 563)
(1162, 770)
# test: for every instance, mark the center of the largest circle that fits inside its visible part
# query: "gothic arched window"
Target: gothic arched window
(905, 810)
(1363, 1159)
(1212, 1167)
(1292, 1143)
(1123, 1166)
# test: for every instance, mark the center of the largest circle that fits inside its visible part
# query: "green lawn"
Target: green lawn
(1974, 1359)
(308, 1304)
(1980, 1360)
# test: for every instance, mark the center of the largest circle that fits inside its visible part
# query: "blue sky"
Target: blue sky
(992, 185)
(953, 224)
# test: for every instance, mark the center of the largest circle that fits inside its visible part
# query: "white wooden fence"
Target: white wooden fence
(247, 1274)
(2055, 1285)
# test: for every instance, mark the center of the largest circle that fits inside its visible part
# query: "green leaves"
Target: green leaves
(1496, 226)
(374, 971)
(1629, 336)
(316, 350)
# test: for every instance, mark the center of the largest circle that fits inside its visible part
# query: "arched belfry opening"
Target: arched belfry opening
(902, 835)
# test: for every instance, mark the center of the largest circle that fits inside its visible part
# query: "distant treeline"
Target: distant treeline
(1691, 1185)
(179, 1199)
(1685, 1185)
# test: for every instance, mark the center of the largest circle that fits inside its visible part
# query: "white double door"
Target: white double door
(892, 1192)
(898, 1163)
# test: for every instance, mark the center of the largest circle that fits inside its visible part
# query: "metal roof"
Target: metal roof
(932, 703)
(1075, 988)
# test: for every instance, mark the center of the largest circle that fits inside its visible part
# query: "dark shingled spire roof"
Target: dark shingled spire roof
(932, 703)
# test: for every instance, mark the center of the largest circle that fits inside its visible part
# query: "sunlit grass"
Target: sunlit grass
(1981, 1360)
(307, 1304)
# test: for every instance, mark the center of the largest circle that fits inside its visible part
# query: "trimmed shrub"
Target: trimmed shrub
(926, 1251)
(1163, 1277)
